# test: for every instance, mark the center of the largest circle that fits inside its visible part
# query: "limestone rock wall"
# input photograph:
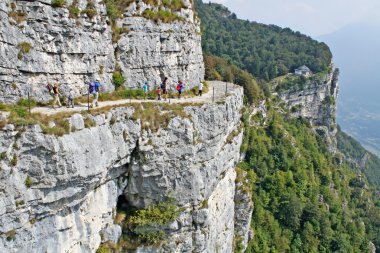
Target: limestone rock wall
(151, 51)
(316, 102)
(40, 44)
(76, 180)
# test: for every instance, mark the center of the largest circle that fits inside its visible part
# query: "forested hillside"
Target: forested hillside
(361, 158)
(266, 51)
(305, 199)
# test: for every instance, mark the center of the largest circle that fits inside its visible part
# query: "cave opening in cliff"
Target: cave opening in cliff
(123, 206)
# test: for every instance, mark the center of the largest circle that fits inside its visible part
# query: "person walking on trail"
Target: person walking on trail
(158, 91)
(164, 88)
(180, 87)
(200, 89)
(146, 89)
(57, 94)
(94, 89)
(70, 99)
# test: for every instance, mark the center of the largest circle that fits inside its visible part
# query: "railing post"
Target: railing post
(29, 102)
(213, 94)
(226, 88)
(88, 100)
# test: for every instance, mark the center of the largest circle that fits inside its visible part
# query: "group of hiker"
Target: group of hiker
(94, 90)
(163, 89)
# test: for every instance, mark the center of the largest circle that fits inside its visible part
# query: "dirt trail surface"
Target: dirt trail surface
(217, 90)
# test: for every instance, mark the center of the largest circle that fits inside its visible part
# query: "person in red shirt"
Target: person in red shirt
(158, 91)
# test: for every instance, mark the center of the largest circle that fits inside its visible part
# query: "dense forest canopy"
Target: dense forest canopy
(266, 51)
(360, 157)
(305, 198)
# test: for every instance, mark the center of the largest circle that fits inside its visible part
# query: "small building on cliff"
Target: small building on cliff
(303, 71)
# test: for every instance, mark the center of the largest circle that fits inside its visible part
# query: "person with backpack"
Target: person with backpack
(94, 89)
(146, 89)
(200, 89)
(180, 87)
(57, 94)
(164, 88)
(50, 89)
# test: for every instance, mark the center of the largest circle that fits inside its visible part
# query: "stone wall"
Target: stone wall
(76, 180)
(75, 51)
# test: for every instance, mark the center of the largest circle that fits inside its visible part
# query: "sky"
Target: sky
(312, 17)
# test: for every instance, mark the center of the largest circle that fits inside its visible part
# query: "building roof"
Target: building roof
(304, 68)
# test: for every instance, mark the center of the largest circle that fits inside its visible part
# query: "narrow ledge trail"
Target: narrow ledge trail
(216, 92)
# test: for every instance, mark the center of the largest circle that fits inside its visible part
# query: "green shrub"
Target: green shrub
(103, 248)
(3, 155)
(117, 79)
(147, 224)
(28, 182)
(58, 3)
(21, 111)
(25, 47)
(25, 102)
(113, 11)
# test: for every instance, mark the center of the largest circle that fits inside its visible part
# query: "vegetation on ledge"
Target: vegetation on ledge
(165, 16)
(58, 3)
(141, 226)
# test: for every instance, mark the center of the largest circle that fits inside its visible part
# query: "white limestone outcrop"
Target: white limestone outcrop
(61, 193)
(40, 44)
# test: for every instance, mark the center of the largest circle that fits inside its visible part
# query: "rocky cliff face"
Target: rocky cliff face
(316, 102)
(60, 194)
(40, 44)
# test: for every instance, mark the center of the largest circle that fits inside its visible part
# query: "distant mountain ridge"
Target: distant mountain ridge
(356, 50)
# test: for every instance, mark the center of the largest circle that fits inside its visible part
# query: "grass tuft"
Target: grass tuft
(58, 3)
(74, 9)
(90, 10)
(28, 182)
(10, 235)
